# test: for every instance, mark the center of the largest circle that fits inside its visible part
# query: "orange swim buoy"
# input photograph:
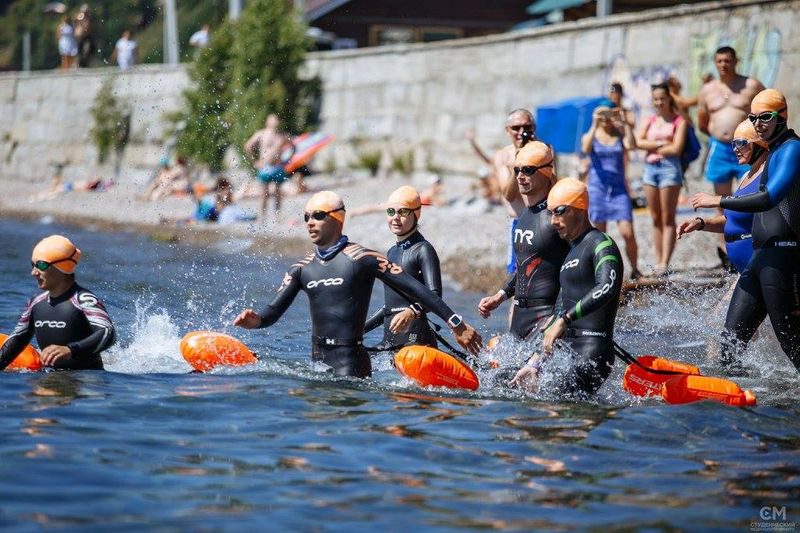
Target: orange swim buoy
(686, 389)
(206, 350)
(640, 382)
(27, 360)
(431, 367)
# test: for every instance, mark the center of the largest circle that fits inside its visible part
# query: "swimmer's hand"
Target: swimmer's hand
(468, 338)
(490, 303)
(54, 354)
(688, 226)
(527, 377)
(402, 320)
(248, 319)
(553, 333)
(701, 199)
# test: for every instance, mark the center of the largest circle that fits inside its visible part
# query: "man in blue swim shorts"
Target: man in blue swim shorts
(721, 105)
(267, 145)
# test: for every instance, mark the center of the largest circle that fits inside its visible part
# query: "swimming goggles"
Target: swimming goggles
(403, 211)
(320, 215)
(530, 170)
(738, 144)
(766, 116)
(560, 210)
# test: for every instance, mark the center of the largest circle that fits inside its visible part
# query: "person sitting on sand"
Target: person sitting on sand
(168, 181)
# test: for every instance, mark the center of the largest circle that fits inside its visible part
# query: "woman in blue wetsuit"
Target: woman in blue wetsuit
(737, 227)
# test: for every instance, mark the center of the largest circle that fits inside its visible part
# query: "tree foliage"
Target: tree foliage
(250, 69)
(111, 126)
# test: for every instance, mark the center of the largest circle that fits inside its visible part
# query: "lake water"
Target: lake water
(146, 445)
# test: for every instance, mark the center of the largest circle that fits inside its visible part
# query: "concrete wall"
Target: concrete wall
(422, 97)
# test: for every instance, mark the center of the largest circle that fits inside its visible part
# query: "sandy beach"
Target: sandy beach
(468, 234)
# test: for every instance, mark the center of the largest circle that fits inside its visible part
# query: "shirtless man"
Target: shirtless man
(521, 127)
(266, 145)
(721, 105)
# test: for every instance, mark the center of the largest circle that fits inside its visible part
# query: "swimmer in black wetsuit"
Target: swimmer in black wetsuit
(404, 322)
(71, 324)
(338, 279)
(591, 283)
(770, 284)
(538, 249)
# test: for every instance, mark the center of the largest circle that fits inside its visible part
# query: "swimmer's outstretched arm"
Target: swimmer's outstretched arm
(275, 309)
(375, 320)
(19, 338)
(784, 170)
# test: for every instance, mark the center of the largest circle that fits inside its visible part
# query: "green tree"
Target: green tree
(250, 69)
(111, 128)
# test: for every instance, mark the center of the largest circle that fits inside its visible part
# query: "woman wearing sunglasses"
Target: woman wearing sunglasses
(770, 284)
(750, 150)
(71, 324)
(663, 136)
(338, 278)
(607, 143)
(404, 322)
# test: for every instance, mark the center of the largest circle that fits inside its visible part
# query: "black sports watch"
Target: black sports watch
(455, 321)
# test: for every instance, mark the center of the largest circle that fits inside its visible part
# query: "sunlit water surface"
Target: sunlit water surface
(281, 445)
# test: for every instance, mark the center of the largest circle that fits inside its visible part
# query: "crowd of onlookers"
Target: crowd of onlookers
(76, 43)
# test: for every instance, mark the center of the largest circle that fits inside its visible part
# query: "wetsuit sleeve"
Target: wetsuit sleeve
(286, 295)
(375, 320)
(607, 265)
(511, 285)
(784, 169)
(102, 330)
(429, 266)
(393, 276)
(19, 338)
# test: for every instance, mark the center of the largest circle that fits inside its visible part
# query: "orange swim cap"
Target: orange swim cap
(770, 100)
(59, 252)
(535, 154)
(406, 196)
(568, 191)
(746, 130)
(329, 202)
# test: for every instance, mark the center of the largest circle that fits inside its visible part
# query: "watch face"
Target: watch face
(455, 321)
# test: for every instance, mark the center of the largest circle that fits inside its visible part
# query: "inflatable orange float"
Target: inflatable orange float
(686, 389)
(639, 381)
(430, 367)
(206, 350)
(27, 360)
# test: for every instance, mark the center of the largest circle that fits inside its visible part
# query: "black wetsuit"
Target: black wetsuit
(770, 285)
(418, 258)
(77, 319)
(339, 290)
(591, 283)
(534, 286)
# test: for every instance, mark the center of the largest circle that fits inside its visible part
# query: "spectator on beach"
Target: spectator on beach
(615, 94)
(607, 144)
(168, 181)
(83, 34)
(721, 105)
(663, 136)
(58, 187)
(487, 186)
(266, 145)
(67, 45)
(125, 51)
(200, 38)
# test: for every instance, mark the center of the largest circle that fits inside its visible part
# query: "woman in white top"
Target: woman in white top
(67, 45)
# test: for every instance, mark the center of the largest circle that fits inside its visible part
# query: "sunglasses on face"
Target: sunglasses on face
(403, 211)
(560, 210)
(766, 116)
(738, 144)
(319, 215)
(530, 170)
(523, 127)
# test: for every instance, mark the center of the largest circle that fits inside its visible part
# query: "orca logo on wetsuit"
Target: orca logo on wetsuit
(605, 288)
(326, 282)
(570, 264)
(57, 324)
(523, 236)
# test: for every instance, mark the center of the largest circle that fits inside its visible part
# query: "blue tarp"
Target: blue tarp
(561, 124)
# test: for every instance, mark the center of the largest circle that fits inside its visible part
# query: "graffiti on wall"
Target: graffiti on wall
(758, 48)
